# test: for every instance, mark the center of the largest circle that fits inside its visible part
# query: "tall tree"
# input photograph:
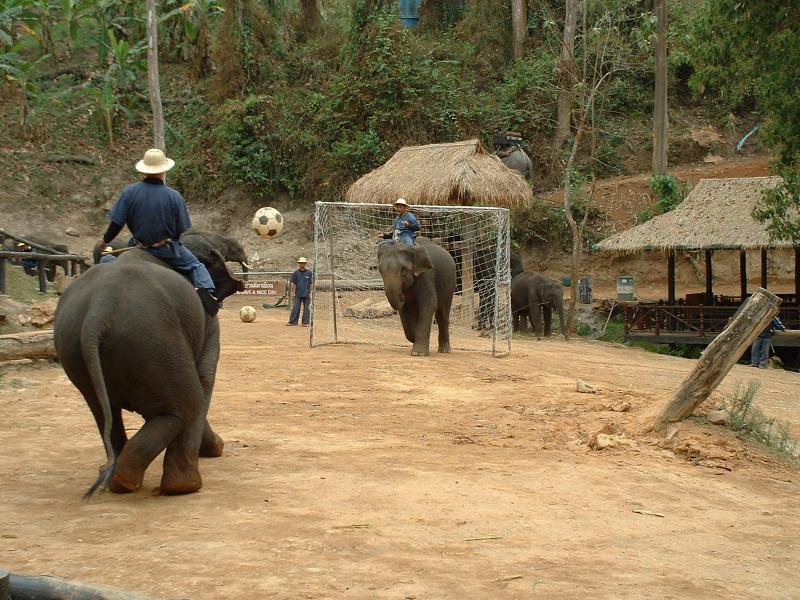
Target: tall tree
(566, 75)
(153, 81)
(310, 18)
(660, 118)
(519, 26)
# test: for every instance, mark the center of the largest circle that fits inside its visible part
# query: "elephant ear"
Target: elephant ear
(422, 262)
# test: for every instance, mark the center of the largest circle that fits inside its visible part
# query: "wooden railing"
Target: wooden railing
(657, 318)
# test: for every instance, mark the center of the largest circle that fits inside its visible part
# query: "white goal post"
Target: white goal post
(348, 303)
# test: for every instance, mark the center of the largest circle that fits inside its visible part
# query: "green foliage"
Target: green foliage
(747, 52)
(669, 191)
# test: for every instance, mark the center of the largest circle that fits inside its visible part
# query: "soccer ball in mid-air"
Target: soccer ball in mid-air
(268, 222)
(247, 314)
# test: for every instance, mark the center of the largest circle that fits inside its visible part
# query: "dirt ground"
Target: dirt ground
(360, 472)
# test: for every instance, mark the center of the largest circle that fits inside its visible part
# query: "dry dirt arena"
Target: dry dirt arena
(360, 472)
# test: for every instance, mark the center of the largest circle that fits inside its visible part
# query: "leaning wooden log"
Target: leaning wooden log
(719, 357)
(34, 344)
(71, 158)
(33, 587)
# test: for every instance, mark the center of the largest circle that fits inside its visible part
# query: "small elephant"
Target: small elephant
(419, 282)
(132, 334)
(206, 246)
(534, 295)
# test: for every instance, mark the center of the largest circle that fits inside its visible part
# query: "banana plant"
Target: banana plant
(73, 13)
(46, 14)
(188, 31)
(127, 61)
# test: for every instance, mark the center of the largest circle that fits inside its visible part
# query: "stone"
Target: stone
(39, 314)
(717, 417)
(604, 441)
(621, 406)
(72, 231)
(606, 430)
(584, 388)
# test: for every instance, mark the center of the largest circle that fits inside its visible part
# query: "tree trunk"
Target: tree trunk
(309, 16)
(566, 75)
(152, 76)
(660, 119)
(719, 357)
(519, 26)
(35, 344)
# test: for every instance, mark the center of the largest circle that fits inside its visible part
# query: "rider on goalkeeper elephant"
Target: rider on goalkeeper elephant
(156, 215)
(405, 225)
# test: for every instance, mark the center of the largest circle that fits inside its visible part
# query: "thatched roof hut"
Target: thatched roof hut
(457, 174)
(716, 215)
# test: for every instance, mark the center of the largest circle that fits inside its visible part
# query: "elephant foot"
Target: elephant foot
(211, 446)
(444, 348)
(174, 484)
(416, 352)
(124, 483)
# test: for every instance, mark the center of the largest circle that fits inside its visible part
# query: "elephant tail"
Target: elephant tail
(92, 332)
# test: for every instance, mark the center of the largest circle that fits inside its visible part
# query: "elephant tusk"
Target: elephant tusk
(245, 265)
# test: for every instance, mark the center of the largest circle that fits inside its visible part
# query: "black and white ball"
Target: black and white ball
(247, 314)
(267, 223)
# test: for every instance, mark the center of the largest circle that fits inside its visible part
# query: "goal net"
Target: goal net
(348, 302)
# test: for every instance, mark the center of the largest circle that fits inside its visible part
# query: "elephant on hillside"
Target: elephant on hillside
(419, 282)
(132, 334)
(532, 296)
(517, 159)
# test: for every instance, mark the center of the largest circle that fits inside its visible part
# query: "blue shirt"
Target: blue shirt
(770, 330)
(401, 228)
(152, 211)
(302, 282)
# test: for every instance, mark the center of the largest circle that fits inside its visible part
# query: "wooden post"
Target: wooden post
(42, 277)
(764, 268)
(671, 278)
(743, 273)
(3, 262)
(34, 344)
(709, 279)
(720, 355)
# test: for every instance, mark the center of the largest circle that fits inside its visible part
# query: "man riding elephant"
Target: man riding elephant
(156, 216)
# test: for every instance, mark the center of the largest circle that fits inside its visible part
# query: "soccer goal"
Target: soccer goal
(348, 302)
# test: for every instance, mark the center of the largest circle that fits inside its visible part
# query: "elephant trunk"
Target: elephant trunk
(394, 294)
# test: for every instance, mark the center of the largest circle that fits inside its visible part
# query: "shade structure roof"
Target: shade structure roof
(717, 214)
(456, 174)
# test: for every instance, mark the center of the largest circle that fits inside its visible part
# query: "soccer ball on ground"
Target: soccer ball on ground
(247, 314)
(267, 222)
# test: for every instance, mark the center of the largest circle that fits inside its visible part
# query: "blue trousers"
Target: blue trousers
(759, 352)
(407, 238)
(184, 262)
(296, 310)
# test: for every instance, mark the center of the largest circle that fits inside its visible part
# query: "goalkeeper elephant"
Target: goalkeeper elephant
(419, 282)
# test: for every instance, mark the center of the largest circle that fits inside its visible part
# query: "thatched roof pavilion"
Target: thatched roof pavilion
(458, 174)
(716, 215)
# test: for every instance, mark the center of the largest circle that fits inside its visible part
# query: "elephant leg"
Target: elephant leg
(211, 444)
(422, 335)
(118, 436)
(522, 317)
(536, 318)
(181, 464)
(443, 322)
(155, 435)
(547, 311)
(408, 317)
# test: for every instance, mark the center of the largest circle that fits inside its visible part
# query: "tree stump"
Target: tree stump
(36, 344)
(720, 355)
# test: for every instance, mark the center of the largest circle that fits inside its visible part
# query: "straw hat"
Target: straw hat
(154, 161)
(401, 201)
(302, 259)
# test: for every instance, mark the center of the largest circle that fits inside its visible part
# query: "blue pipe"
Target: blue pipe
(409, 12)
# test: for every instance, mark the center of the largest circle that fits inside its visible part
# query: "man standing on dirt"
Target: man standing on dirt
(759, 352)
(301, 287)
(156, 215)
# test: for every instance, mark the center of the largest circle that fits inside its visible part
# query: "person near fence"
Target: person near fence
(759, 352)
(300, 282)
(156, 215)
(405, 225)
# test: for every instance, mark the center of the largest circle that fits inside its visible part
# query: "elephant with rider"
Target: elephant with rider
(133, 335)
(419, 282)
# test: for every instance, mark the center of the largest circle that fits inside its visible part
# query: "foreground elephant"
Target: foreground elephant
(132, 334)
(533, 294)
(419, 282)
